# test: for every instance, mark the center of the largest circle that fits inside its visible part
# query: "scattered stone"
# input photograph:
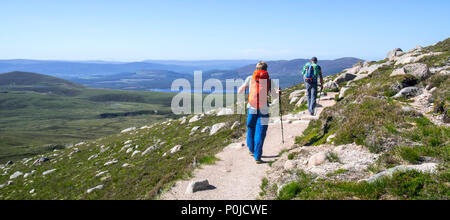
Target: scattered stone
(217, 127)
(407, 109)
(99, 187)
(394, 53)
(342, 92)
(330, 138)
(235, 125)
(129, 150)
(333, 86)
(399, 71)
(48, 172)
(148, 150)
(418, 70)
(125, 147)
(302, 101)
(9, 163)
(425, 168)
(101, 173)
(128, 130)
(225, 111)
(135, 152)
(175, 149)
(15, 175)
(290, 164)
(196, 186)
(297, 93)
(127, 142)
(79, 144)
(206, 129)
(408, 92)
(317, 159)
(32, 191)
(194, 129)
(93, 156)
(111, 162)
(195, 118)
(293, 100)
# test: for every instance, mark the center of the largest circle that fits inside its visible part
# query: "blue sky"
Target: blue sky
(130, 30)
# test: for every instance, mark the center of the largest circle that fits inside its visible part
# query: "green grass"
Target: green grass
(30, 121)
(411, 185)
(208, 160)
(145, 179)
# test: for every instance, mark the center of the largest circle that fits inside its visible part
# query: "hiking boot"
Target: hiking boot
(251, 154)
(259, 162)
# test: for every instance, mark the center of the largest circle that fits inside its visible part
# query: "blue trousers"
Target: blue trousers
(311, 94)
(257, 125)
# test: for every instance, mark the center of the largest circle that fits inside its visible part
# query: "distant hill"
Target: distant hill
(288, 71)
(18, 78)
(34, 82)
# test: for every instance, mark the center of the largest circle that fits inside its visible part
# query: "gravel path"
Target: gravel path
(236, 176)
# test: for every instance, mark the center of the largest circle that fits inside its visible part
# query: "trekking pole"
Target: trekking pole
(281, 118)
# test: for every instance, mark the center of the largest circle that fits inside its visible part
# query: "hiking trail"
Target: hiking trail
(236, 176)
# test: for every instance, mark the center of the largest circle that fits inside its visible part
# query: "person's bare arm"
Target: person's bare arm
(242, 88)
(321, 78)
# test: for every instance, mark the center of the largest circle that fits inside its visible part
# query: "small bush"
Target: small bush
(289, 191)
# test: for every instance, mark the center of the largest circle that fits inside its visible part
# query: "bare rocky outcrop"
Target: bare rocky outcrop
(351, 158)
(425, 168)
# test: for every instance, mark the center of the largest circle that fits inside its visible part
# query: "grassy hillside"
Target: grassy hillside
(133, 175)
(38, 113)
(371, 116)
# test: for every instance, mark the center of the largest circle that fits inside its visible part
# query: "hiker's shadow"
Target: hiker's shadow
(270, 157)
(208, 188)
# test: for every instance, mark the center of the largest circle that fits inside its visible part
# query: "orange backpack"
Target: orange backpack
(259, 88)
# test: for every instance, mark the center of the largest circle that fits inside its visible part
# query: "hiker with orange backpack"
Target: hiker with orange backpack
(259, 85)
(311, 71)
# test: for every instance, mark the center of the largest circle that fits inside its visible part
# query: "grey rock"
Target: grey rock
(195, 118)
(342, 92)
(331, 86)
(148, 150)
(128, 130)
(15, 175)
(206, 129)
(394, 53)
(9, 163)
(302, 101)
(399, 71)
(48, 172)
(225, 111)
(111, 162)
(345, 77)
(296, 93)
(99, 187)
(41, 160)
(217, 127)
(317, 159)
(236, 124)
(408, 92)
(425, 168)
(196, 186)
(418, 70)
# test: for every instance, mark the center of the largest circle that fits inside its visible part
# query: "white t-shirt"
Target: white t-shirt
(273, 93)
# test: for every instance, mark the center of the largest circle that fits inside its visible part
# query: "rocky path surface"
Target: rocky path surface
(422, 104)
(236, 176)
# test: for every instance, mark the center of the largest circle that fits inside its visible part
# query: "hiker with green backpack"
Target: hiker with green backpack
(311, 72)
